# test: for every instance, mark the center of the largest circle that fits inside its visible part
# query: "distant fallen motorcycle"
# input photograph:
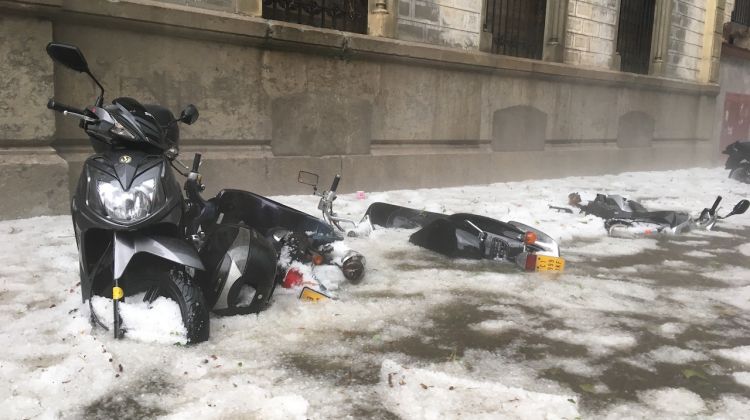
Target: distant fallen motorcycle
(738, 161)
(460, 235)
(629, 219)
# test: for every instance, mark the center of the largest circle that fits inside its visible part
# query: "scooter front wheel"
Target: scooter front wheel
(183, 289)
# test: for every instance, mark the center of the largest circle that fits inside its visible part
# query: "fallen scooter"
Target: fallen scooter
(307, 246)
(738, 161)
(628, 219)
(459, 235)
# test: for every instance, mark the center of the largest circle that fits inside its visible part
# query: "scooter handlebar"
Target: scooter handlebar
(196, 162)
(716, 204)
(60, 107)
(335, 183)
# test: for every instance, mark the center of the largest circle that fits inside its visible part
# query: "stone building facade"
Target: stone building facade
(444, 102)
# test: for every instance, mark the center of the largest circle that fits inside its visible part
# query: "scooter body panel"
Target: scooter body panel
(128, 244)
(100, 238)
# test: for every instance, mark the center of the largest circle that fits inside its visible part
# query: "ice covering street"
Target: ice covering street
(634, 327)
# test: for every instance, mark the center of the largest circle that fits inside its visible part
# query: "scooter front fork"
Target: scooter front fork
(117, 295)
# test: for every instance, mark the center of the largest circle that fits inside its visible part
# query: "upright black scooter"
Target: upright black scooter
(137, 233)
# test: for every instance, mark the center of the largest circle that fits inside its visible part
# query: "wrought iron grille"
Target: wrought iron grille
(344, 15)
(517, 27)
(634, 35)
(741, 12)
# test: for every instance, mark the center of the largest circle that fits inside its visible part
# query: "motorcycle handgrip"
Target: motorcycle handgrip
(60, 107)
(196, 162)
(335, 183)
(716, 204)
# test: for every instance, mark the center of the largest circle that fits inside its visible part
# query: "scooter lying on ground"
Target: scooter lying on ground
(460, 235)
(308, 247)
(627, 219)
(738, 161)
(135, 231)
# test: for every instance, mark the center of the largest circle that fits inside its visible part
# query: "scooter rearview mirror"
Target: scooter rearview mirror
(307, 178)
(740, 208)
(71, 57)
(68, 55)
(189, 115)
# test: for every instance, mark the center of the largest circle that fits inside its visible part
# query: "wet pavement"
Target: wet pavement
(619, 374)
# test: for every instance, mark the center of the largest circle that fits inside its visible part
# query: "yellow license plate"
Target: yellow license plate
(547, 263)
(310, 295)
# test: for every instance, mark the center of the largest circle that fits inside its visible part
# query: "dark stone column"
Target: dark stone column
(660, 37)
(554, 32)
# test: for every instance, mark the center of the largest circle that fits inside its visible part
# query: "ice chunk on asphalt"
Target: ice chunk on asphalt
(422, 394)
(675, 355)
(673, 400)
(737, 354)
(672, 329)
(494, 326)
(598, 342)
(742, 378)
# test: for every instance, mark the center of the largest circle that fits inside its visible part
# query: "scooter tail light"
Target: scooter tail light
(529, 238)
(293, 278)
(318, 259)
(531, 262)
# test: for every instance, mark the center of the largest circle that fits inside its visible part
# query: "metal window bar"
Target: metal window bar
(517, 27)
(634, 34)
(343, 15)
(741, 12)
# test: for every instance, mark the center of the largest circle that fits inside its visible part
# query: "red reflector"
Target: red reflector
(531, 262)
(293, 278)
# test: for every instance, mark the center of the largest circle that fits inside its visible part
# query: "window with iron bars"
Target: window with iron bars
(634, 34)
(517, 27)
(741, 12)
(343, 15)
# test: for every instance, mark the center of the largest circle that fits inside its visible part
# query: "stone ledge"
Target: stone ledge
(261, 172)
(193, 22)
(34, 182)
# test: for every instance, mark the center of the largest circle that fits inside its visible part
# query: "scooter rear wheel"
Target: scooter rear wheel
(741, 174)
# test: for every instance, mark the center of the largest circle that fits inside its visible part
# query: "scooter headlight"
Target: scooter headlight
(120, 130)
(127, 206)
(109, 198)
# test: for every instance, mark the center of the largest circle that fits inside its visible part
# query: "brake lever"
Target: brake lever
(80, 116)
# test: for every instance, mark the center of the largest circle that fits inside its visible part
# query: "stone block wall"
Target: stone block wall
(590, 33)
(276, 98)
(221, 5)
(685, 48)
(453, 23)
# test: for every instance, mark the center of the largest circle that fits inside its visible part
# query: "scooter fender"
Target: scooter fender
(127, 244)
